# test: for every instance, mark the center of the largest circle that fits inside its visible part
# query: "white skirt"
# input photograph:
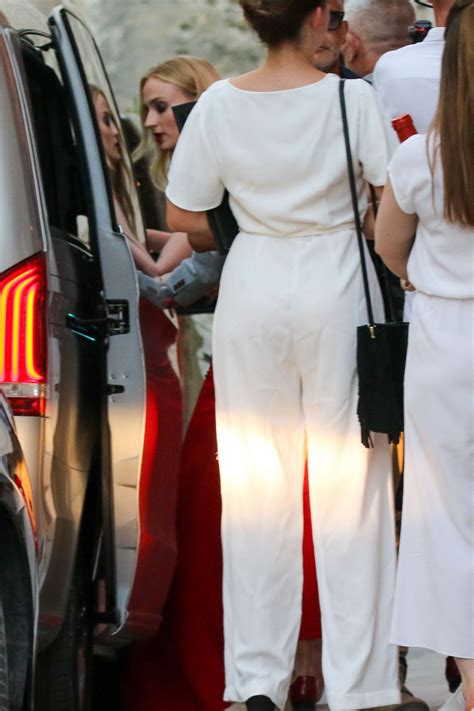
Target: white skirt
(434, 602)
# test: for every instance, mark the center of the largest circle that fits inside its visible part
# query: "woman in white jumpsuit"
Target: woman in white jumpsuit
(290, 299)
(431, 191)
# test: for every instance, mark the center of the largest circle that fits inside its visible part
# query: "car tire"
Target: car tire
(4, 683)
(16, 632)
(64, 669)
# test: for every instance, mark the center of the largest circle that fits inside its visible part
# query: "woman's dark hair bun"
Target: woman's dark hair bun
(277, 21)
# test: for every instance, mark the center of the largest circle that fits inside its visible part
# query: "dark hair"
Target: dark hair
(277, 21)
(455, 116)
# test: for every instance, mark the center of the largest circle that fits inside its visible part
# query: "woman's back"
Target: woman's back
(441, 261)
(281, 155)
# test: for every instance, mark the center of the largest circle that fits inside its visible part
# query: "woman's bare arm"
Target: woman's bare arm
(173, 252)
(195, 224)
(174, 248)
(157, 239)
(394, 233)
(368, 228)
(143, 261)
(171, 256)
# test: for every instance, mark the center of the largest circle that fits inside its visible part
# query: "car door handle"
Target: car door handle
(85, 325)
(116, 320)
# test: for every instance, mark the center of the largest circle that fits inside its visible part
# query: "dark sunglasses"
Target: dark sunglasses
(335, 19)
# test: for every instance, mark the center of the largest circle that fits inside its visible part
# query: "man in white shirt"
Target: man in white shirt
(407, 80)
(375, 27)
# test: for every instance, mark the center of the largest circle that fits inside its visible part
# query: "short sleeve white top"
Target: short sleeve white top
(441, 262)
(281, 156)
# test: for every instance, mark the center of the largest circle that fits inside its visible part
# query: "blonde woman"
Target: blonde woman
(430, 193)
(176, 81)
(120, 177)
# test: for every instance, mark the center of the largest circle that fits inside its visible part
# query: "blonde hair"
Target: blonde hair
(119, 174)
(454, 119)
(190, 74)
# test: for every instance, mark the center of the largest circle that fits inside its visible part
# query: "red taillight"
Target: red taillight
(23, 336)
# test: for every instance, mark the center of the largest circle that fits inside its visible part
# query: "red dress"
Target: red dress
(182, 667)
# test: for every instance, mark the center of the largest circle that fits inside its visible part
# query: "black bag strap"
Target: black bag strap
(381, 265)
(355, 203)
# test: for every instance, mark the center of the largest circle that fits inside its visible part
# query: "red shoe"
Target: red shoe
(304, 693)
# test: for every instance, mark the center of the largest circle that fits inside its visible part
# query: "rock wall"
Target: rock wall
(135, 36)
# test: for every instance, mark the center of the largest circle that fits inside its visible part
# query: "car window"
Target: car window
(59, 156)
(116, 157)
(20, 233)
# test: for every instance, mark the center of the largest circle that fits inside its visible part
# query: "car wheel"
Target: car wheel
(64, 669)
(4, 685)
(15, 651)
(17, 626)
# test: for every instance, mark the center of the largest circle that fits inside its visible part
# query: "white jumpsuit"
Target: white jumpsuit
(284, 365)
(434, 603)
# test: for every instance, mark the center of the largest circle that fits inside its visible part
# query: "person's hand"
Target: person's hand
(155, 291)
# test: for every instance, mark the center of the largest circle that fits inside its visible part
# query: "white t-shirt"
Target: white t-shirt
(281, 156)
(441, 261)
(407, 79)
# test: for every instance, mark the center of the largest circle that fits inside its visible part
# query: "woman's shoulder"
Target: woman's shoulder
(411, 158)
(359, 89)
(213, 97)
(412, 148)
(214, 91)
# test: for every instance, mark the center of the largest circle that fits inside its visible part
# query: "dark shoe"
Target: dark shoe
(452, 674)
(260, 703)
(304, 693)
(410, 702)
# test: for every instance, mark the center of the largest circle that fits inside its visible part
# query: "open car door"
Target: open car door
(142, 424)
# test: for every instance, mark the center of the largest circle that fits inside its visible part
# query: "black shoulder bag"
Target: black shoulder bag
(381, 347)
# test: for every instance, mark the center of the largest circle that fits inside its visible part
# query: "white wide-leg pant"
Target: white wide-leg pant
(434, 603)
(284, 368)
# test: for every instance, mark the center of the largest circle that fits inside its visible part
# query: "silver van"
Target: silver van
(87, 366)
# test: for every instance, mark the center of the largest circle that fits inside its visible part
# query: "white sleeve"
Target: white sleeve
(194, 181)
(373, 138)
(403, 173)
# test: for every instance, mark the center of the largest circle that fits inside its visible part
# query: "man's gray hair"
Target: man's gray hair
(380, 22)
